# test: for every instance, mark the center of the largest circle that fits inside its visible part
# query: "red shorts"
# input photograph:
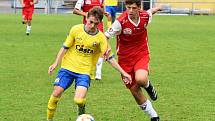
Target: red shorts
(27, 13)
(142, 63)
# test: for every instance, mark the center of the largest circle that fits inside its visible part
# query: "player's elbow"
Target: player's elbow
(76, 11)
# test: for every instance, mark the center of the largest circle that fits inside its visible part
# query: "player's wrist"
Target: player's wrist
(85, 14)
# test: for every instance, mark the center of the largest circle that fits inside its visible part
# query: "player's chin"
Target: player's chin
(92, 30)
(130, 14)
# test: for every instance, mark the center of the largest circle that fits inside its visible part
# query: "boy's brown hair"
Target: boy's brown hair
(129, 2)
(97, 12)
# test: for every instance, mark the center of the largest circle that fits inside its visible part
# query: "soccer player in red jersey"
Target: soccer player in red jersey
(81, 8)
(78, 56)
(133, 52)
(27, 13)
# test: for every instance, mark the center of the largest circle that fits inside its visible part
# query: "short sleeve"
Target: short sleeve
(79, 4)
(115, 28)
(70, 38)
(150, 15)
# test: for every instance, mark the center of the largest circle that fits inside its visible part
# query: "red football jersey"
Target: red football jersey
(88, 4)
(27, 3)
(132, 43)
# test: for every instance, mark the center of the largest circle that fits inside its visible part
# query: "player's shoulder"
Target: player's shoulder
(143, 13)
(123, 16)
(77, 27)
(101, 34)
(80, 1)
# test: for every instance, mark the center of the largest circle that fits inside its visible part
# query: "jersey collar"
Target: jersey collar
(97, 31)
(133, 22)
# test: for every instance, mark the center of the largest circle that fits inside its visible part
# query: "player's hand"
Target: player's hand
(85, 14)
(106, 14)
(51, 68)
(126, 78)
(109, 18)
(36, 2)
(161, 7)
(157, 9)
(23, 5)
(31, 3)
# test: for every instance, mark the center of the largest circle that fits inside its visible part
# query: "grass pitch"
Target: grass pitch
(182, 70)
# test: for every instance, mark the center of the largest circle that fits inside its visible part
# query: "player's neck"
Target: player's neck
(91, 32)
(135, 19)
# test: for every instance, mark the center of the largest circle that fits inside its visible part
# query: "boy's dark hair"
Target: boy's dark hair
(97, 12)
(129, 2)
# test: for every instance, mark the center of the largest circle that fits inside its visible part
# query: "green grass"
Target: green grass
(182, 70)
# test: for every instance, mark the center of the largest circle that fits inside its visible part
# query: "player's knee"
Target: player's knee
(141, 80)
(80, 101)
(57, 92)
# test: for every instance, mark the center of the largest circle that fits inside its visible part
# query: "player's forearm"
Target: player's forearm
(36, 1)
(109, 21)
(60, 55)
(108, 16)
(79, 12)
(116, 66)
(155, 9)
(22, 2)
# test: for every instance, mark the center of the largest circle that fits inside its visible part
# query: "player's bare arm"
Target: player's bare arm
(156, 9)
(79, 12)
(107, 15)
(109, 19)
(22, 3)
(34, 2)
(58, 59)
(126, 77)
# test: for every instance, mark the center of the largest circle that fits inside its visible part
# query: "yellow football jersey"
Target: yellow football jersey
(111, 2)
(83, 50)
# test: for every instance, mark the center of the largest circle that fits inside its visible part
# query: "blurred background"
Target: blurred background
(172, 7)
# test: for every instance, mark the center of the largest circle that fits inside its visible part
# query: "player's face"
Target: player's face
(132, 10)
(92, 24)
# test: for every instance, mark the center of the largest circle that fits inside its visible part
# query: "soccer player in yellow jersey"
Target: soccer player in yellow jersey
(78, 58)
(81, 8)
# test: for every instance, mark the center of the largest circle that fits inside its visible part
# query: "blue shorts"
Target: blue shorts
(111, 10)
(65, 78)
